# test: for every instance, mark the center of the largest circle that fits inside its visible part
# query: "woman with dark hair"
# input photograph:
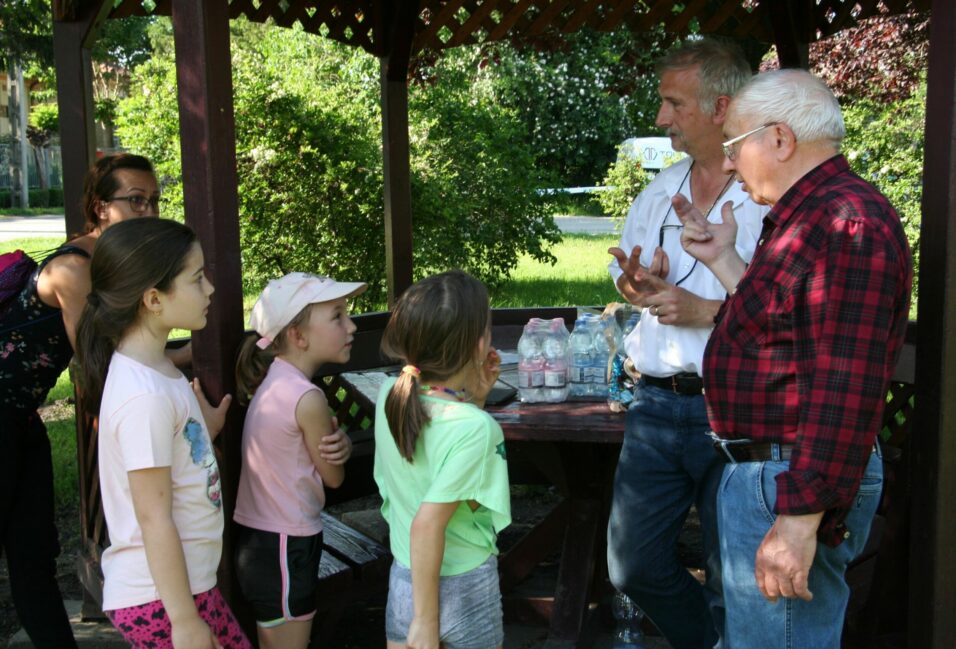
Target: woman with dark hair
(37, 338)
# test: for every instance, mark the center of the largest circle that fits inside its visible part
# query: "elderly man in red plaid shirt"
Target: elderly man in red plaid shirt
(796, 370)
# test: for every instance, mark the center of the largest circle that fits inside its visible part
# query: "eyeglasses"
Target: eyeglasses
(660, 241)
(138, 203)
(731, 151)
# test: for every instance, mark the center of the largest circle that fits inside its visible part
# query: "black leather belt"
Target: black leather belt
(685, 383)
(752, 451)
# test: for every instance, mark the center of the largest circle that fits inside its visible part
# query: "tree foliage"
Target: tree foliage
(882, 59)
(884, 144)
(625, 179)
(308, 145)
(579, 95)
(26, 32)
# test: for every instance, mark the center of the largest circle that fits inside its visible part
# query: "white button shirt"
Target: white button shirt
(663, 350)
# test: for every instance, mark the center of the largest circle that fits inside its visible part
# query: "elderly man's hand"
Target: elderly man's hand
(782, 564)
(704, 240)
(636, 281)
(711, 243)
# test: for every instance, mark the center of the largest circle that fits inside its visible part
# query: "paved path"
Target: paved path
(586, 224)
(18, 227)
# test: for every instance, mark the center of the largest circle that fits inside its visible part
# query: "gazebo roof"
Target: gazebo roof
(440, 24)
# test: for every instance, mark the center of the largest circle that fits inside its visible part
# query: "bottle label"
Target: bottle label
(555, 378)
(530, 378)
(578, 374)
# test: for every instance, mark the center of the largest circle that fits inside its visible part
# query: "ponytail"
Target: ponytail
(252, 364)
(436, 328)
(253, 361)
(404, 411)
(97, 335)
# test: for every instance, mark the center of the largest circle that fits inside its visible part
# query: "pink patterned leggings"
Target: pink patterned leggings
(147, 626)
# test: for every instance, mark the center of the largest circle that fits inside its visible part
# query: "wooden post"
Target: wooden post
(932, 591)
(792, 22)
(207, 140)
(74, 31)
(398, 193)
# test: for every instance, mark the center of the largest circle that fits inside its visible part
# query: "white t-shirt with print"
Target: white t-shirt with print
(150, 420)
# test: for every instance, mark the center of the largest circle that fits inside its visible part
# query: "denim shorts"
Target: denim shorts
(469, 605)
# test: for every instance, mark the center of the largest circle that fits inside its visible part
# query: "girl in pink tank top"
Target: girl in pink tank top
(291, 449)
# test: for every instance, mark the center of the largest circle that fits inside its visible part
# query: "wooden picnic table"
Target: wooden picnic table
(575, 446)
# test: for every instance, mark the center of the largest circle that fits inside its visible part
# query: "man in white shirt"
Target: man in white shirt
(667, 461)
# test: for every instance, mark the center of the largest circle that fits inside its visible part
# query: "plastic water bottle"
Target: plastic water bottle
(580, 344)
(555, 349)
(629, 617)
(600, 355)
(630, 324)
(530, 364)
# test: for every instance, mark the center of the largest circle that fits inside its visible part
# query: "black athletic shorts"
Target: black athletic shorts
(278, 574)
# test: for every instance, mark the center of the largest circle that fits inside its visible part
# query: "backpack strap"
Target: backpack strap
(65, 249)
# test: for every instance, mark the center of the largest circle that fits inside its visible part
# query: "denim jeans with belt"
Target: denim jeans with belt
(667, 463)
(746, 500)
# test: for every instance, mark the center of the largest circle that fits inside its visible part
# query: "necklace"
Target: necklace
(706, 214)
(458, 394)
(723, 190)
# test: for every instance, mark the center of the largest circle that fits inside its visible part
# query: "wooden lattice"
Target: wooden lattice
(898, 416)
(442, 24)
(353, 410)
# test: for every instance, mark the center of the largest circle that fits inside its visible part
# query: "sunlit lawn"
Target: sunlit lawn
(579, 278)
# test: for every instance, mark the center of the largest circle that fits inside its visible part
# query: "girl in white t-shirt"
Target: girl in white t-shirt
(158, 475)
(291, 449)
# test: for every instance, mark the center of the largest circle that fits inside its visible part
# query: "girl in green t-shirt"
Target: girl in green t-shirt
(440, 467)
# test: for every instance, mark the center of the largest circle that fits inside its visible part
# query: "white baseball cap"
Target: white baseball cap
(283, 299)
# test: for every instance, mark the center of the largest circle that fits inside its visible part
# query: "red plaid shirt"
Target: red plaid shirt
(803, 352)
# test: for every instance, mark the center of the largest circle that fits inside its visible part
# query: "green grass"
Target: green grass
(30, 211)
(579, 278)
(31, 245)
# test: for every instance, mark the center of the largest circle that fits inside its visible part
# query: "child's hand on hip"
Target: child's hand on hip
(336, 448)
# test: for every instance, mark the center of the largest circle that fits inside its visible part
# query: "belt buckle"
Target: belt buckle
(724, 445)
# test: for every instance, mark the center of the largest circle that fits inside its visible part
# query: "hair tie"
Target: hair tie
(411, 369)
(93, 299)
(263, 343)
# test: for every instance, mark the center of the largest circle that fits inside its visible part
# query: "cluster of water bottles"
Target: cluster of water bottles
(543, 361)
(553, 365)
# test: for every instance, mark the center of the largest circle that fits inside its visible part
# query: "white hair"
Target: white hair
(795, 98)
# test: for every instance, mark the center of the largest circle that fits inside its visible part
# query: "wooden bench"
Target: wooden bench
(353, 567)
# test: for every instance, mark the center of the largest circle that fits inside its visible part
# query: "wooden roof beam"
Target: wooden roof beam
(792, 22)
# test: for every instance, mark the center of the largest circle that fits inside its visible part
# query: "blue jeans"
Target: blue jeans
(667, 463)
(745, 504)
